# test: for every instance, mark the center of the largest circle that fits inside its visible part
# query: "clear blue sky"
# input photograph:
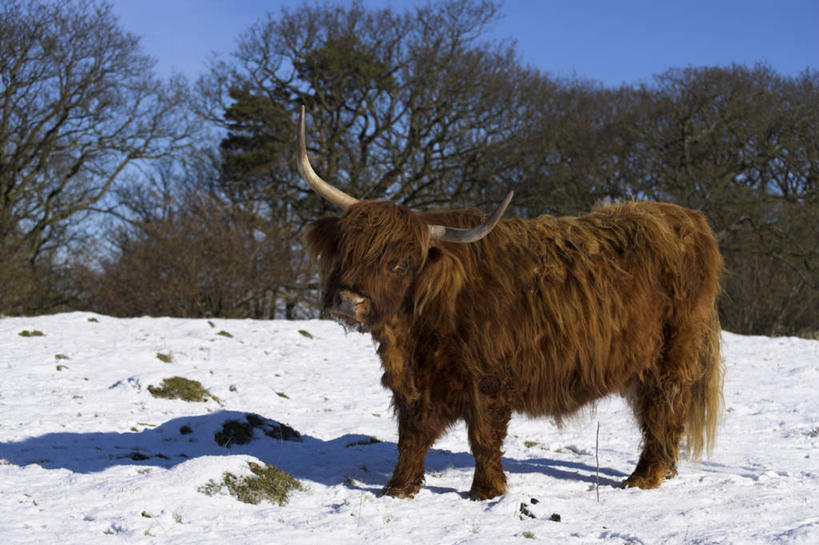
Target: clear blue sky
(611, 41)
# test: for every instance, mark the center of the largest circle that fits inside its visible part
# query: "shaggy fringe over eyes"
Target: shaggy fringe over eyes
(376, 233)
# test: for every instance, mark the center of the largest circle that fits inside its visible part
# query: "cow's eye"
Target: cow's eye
(402, 267)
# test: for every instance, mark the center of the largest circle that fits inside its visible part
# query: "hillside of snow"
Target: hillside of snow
(89, 455)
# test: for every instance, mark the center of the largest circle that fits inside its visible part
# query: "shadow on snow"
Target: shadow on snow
(349, 459)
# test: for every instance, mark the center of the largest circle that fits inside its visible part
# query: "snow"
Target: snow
(88, 455)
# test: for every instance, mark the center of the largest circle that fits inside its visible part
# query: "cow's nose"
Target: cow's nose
(348, 304)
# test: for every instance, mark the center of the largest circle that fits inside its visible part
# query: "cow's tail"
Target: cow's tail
(707, 401)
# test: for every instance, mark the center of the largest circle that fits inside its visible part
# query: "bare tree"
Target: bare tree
(78, 104)
(740, 143)
(412, 106)
(182, 248)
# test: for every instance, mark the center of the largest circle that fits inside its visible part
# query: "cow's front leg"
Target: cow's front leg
(487, 430)
(417, 431)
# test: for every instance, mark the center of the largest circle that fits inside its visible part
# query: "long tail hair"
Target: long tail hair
(707, 401)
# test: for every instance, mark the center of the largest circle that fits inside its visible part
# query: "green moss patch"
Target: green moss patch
(267, 482)
(182, 388)
(164, 358)
(32, 333)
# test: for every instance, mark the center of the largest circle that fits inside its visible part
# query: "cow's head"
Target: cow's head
(371, 256)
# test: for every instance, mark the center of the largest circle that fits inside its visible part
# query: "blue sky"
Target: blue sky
(614, 42)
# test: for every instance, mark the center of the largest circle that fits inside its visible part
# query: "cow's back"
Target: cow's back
(557, 312)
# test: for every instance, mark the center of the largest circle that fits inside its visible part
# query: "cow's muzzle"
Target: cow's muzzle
(350, 306)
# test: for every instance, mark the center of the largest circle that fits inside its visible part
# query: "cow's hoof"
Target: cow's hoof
(643, 481)
(401, 492)
(482, 493)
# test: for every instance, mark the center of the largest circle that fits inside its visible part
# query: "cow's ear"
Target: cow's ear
(321, 241)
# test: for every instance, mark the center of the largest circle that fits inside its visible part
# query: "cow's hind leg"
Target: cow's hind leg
(661, 399)
(487, 431)
(661, 408)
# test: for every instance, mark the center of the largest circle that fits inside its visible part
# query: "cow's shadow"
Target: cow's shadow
(357, 461)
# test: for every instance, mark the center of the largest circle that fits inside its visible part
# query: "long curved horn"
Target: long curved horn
(332, 194)
(452, 234)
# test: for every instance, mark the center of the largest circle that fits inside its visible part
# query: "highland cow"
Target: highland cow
(478, 318)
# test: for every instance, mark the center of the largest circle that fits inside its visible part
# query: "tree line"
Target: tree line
(128, 195)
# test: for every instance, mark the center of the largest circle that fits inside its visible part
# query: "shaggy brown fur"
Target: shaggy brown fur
(540, 317)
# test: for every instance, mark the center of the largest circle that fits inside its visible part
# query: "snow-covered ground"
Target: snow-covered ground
(88, 455)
